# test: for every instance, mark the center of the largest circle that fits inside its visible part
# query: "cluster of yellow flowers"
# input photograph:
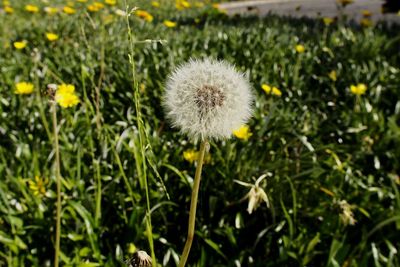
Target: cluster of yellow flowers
(38, 185)
(65, 95)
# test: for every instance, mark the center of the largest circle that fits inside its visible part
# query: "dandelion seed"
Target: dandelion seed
(358, 89)
(144, 15)
(69, 10)
(32, 8)
(243, 132)
(207, 99)
(300, 48)
(23, 88)
(20, 45)
(169, 24)
(51, 36)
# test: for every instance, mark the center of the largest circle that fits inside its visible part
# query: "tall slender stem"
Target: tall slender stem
(193, 204)
(58, 178)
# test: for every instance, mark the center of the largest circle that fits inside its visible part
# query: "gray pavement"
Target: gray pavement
(309, 8)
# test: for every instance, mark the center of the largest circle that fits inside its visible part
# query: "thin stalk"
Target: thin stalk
(143, 168)
(58, 178)
(193, 204)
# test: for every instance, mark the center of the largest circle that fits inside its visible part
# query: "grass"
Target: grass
(318, 144)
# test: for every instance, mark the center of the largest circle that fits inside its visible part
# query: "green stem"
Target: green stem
(58, 178)
(193, 204)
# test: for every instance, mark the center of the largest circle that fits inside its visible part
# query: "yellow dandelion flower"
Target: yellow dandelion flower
(344, 2)
(332, 75)
(111, 2)
(366, 22)
(81, 1)
(271, 90)
(169, 24)
(243, 132)
(51, 10)
(300, 48)
(366, 13)
(38, 186)
(190, 155)
(358, 89)
(20, 45)
(8, 9)
(328, 21)
(155, 4)
(198, 4)
(6, 3)
(69, 10)
(182, 4)
(32, 8)
(65, 96)
(98, 5)
(51, 36)
(216, 6)
(92, 8)
(144, 15)
(23, 88)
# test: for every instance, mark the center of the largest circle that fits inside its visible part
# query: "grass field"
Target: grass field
(325, 136)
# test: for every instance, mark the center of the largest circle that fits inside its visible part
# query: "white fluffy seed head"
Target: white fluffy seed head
(207, 99)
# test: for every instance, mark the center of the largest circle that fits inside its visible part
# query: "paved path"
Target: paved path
(308, 8)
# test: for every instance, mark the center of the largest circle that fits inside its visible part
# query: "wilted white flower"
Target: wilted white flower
(256, 195)
(207, 99)
(139, 259)
(347, 215)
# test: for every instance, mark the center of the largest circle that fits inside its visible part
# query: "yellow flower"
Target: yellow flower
(327, 21)
(199, 4)
(182, 4)
(243, 132)
(169, 24)
(93, 8)
(98, 5)
(32, 8)
(366, 13)
(6, 3)
(51, 36)
(20, 45)
(332, 75)
(51, 10)
(366, 22)
(8, 9)
(69, 10)
(23, 88)
(190, 155)
(155, 4)
(358, 89)
(344, 2)
(111, 2)
(65, 96)
(144, 15)
(300, 48)
(38, 186)
(81, 1)
(271, 90)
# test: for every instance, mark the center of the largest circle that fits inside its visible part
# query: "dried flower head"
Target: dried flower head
(139, 259)
(207, 99)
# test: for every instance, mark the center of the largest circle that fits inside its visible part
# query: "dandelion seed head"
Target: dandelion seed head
(207, 99)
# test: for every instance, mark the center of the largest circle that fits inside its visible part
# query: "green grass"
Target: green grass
(318, 143)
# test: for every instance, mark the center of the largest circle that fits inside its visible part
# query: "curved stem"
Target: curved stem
(58, 178)
(193, 204)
